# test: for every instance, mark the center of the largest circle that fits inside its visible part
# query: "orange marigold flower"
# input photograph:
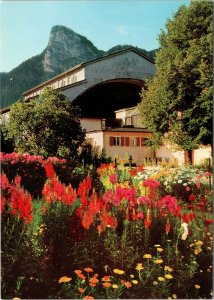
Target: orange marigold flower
(88, 298)
(64, 279)
(81, 290)
(81, 276)
(88, 270)
(78, 272)
(93, 280)
(92, 284)
(127, 284)
(106, 278)
(107, 284)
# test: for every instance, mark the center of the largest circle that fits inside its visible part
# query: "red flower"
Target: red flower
(208, 221)
(185, 218)
(191, 216)
(167, 228)
(106, 220)
(49, 170)
(3, 202)
(192, 197)
(84, 187)
(133, 172)
(4, 182)
(151, 183)
(147, 222)
(19, 202)
(177, 211)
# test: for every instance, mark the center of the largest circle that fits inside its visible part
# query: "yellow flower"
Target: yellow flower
(147, 256)
(132, 276)
(197, 251)
(16, 298)
(115, 286)
(135, 281)
(158, 245)
(199, 243)
(161, 279)
(158, 261)
(168, 276)
(197, 286)
(155, 282)
(174, 296)
(159, 249)
(139, 267)
(166, 268)
(117, 271)
(64, 279)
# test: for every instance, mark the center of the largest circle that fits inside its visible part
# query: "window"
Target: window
(135, 142)
(103, 123)
(128, 121)
(117, 141)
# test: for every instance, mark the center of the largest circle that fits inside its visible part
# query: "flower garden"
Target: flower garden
(72, 232)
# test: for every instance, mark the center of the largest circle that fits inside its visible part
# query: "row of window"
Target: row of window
(58, 84)
(127, 141)
(68, 80)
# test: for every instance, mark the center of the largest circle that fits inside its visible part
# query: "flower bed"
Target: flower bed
(130, 239)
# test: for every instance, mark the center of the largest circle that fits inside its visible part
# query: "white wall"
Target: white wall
(201, 154)
(91, 124)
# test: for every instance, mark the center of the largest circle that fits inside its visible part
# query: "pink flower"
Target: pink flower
(169, 202)
(151, 183)
(198, 184)
(188, 188)
(113, 178)
(4, 182)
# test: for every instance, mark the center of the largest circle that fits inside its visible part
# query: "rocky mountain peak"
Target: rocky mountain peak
(65, 47)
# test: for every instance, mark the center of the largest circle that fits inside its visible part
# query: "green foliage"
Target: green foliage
(90, 154)
(48, 126)
(151, 54)
(7, 146)
(178, 101)
(28, 74)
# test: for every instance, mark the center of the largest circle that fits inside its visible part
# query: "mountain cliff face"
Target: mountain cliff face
(65, 49)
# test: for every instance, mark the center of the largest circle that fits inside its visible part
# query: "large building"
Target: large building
(107, 90)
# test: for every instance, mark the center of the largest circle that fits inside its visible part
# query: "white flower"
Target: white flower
(179, 181)
(184, 184)
(184, 226)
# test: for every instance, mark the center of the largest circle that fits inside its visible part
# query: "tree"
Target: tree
(49, 126)
(178, 100)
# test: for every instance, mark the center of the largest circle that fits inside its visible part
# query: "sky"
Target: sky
(25, 25)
